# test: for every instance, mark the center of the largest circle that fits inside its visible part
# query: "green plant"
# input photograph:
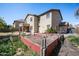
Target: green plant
(74, 40)
(8, 48)
(50, 30)
(34, 54)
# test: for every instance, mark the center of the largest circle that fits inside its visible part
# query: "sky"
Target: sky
(16, 11)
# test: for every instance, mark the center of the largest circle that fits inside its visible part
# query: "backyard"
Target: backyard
(13, 46)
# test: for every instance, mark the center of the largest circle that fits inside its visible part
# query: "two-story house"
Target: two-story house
(40, 23)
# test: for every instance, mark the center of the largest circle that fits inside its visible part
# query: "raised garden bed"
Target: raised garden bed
(35, 42)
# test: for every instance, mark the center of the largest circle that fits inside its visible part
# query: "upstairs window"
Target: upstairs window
(47, 15)
(30, 19)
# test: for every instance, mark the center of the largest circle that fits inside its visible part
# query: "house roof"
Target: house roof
(51, 11)
(20, 21)
(45, 13)
(31, 15)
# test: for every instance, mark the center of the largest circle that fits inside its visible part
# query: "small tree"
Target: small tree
(2, 23)
(2, 20)
(3, 26)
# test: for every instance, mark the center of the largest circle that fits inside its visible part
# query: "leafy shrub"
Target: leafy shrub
(6, 48)
(51, 30)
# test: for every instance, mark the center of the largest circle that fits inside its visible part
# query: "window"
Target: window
(48, 26)
(31, 19)
(30, 28)
(47, 15)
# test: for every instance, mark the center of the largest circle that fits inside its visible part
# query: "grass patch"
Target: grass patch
(74, 40)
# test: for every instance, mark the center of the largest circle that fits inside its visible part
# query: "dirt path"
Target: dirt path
(67, 49)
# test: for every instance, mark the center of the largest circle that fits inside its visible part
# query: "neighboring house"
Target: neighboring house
(40, 23)
(72, 29)
(16, 23)
(64, 27)
(77, 28)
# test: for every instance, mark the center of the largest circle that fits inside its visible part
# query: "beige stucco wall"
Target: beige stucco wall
(36, 23)
(56, 19)
(53, 21)
(13, 25)
(16, 25)
(44, 22)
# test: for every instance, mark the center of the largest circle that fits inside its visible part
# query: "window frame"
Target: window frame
(48, 15)
(48, 26)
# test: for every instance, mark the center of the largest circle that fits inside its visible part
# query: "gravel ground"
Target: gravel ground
(67, 49)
